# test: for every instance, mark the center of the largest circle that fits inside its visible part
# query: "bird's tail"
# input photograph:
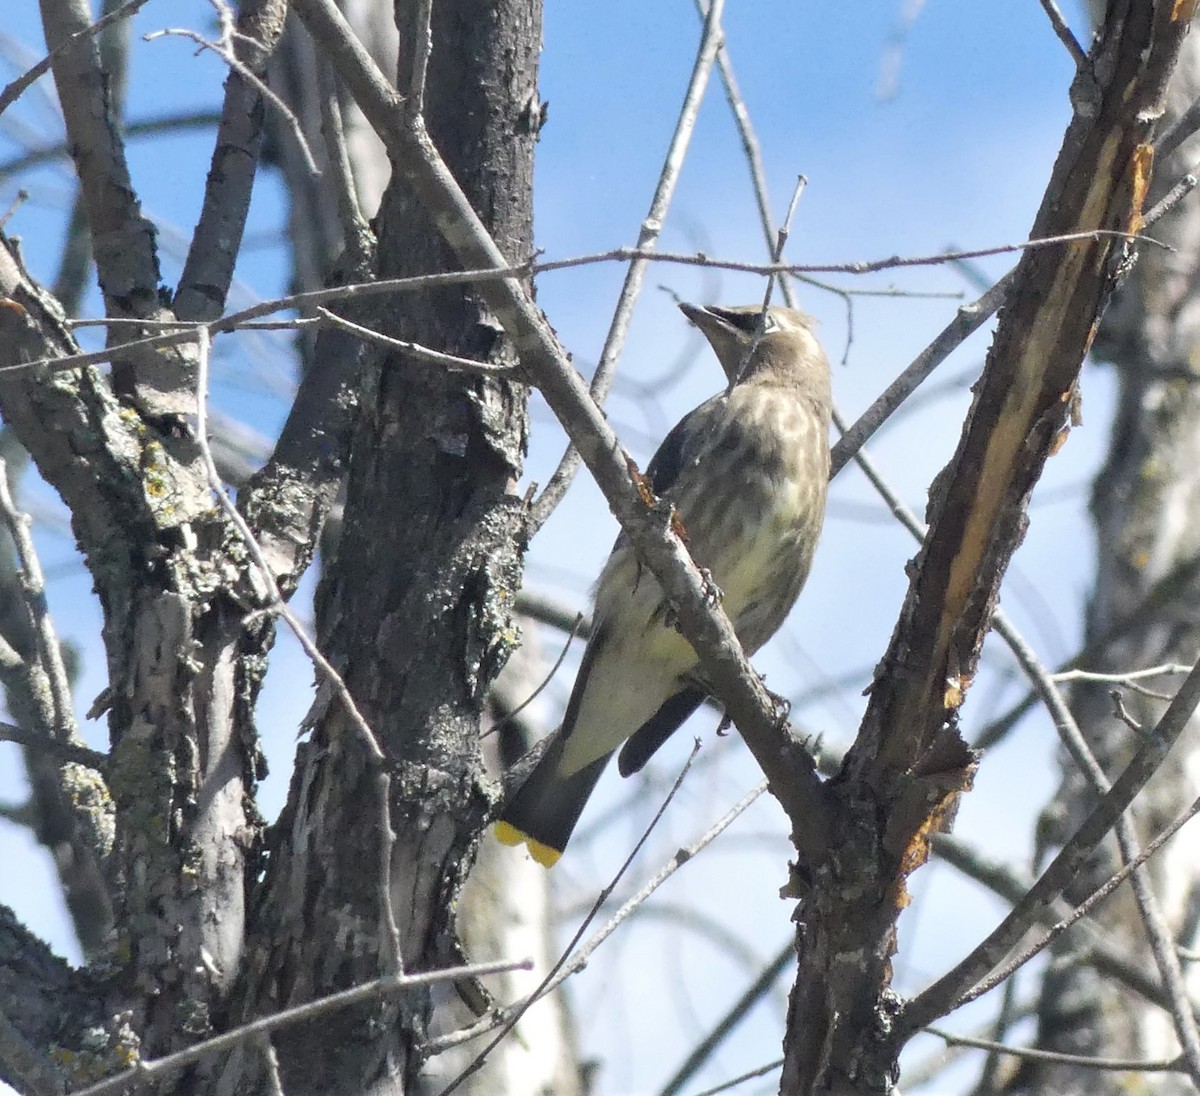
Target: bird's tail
(543, 811)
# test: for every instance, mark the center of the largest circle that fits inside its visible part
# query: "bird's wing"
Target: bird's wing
(670, 464)
(681, 446)
(677, 452)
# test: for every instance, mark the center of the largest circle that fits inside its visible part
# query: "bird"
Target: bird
(746, 473)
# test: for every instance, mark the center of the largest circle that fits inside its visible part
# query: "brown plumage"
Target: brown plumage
(747, 473)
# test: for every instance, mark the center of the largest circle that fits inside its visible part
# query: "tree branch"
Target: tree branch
(217, 239)
(790, 771)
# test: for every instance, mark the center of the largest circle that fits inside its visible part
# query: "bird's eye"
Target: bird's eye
(769, 324)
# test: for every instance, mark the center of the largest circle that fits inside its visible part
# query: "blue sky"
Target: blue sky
(957, 155)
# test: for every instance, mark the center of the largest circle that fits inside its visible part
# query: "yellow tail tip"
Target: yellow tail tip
(508, 834)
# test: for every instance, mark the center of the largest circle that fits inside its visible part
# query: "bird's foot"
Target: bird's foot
(713, 594)
(782, 706)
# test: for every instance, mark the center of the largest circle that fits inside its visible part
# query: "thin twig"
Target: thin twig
(413, 350)
(969, 319)
(508, 717)
(864, 266)
(580, 958)
(148, 1072)
(545, 610)
(1167, 669)
(422, 49)
(13, 91)
(60, 751)
(726, 1025)
(314, 298)
(1162, 945)
(45, 670)
(710, 39)
(543, 987)
(781, 238)
(1098, 946)
(276, 603)
(742, 1078)
(225, 51)
(1171, 199)
(970, 978)
(1064, 32)
(1030, 1054)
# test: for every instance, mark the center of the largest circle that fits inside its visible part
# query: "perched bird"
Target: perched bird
(747, 473)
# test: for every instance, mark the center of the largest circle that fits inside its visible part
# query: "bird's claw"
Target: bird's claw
(782, 706)
(713, 594)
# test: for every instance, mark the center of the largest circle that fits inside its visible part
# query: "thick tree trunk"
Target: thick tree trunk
(415, 610)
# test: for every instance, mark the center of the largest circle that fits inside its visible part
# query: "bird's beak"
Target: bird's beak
(709, 320)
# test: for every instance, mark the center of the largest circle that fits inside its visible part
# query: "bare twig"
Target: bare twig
(543, 987)
(225, 50)
(61, 751)
(1064, 33)
(503, 273)
(1125, 677)
(969, 319)
(777, 247)
(275, 600)
(13, 91)
(1162, 945)
(864, 266)
(1030, 1054)
(742, 1078)
(47, 673)
(149, 1072)
(546, 610)
(413, 350)
(734, 1016)
(963, 983)
(614, 343)
(508, 717)
(580, 958)
(1099, 949)
(1171, 199)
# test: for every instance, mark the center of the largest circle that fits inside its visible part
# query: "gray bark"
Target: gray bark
(419, 630)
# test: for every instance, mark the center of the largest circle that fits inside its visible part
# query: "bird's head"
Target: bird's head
(747, 343)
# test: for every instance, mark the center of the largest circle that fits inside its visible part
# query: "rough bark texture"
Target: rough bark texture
(508, 908)
(901, 779)
(168, 584)
(415, 609)
(1146, 505)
